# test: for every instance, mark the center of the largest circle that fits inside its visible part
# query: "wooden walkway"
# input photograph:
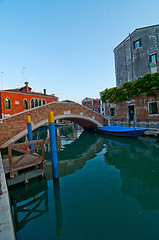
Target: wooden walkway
(26, 162)
(14, 165)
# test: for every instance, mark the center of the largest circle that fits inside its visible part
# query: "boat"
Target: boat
(122, 131)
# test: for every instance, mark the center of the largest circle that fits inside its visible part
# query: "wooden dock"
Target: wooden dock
(20, 168)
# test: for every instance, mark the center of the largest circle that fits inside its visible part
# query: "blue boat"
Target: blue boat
(122, 131)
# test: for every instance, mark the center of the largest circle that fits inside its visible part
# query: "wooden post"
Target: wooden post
(43, 155)
(42, 172)
(26, 180)
(10, 162)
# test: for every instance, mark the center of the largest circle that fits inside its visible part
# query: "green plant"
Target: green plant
(148, 84)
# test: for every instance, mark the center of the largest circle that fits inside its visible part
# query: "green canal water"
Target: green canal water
(108, 189)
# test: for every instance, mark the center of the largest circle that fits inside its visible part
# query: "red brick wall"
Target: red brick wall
(14, 125)
(140, 103)
(19, 97)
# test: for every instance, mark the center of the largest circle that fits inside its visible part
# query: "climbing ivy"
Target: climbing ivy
(148, 84)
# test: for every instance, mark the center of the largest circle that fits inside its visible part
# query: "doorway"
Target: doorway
(131, 112)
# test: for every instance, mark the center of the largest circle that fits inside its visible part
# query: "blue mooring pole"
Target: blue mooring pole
(30, 136)
(53, 146)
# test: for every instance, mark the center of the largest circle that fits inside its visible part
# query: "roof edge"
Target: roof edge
(130, 34)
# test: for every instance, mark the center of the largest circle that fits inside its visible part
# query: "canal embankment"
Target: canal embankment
(152, 132)
(6, 221)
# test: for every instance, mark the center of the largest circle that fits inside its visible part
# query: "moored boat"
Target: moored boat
(122, 131)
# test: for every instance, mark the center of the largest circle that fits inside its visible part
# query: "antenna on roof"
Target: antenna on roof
(24, 74)
(2, 80)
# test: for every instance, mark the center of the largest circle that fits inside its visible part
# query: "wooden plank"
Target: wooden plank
(28, 161)
(27, 143)
(21, 178)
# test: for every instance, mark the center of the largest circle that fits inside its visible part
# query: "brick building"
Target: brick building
(13, 101)
(93, 104)
(137, 54)
(142, 108)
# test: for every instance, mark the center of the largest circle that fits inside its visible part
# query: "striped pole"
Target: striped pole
(53, 146)
(30, 136)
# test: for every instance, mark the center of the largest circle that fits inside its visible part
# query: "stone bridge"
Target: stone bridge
(15, 126)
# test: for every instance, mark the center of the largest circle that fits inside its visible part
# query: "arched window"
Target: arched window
(40, 103)
(25, 104)
(44, 102)
(7, 103)
(32, 103)
(36, 103)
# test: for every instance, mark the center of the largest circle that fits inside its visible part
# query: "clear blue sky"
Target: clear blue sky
(66, 46)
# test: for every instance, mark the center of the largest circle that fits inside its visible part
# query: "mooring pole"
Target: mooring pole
(30, 135)
(58, 208)
(53, 146)
(134, 121)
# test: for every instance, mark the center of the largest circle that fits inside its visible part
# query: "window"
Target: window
(36, 103)
(88, 103)
(153, 108)
(32, 103)
(112, 112)
(153, 60)
(99, 110)
(40, 103)
(25, 104)
(137, 43)
(44, 102)
(7, 103)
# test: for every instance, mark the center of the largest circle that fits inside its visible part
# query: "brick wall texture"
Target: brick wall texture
(11, 126)
(141, 108)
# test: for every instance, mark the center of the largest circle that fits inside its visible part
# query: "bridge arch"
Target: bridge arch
(15, 127)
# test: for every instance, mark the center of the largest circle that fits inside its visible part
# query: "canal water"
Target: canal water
(108, 189)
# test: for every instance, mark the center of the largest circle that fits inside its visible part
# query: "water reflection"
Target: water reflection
(58, 208)
(96, 196)
(73, 157)
(137, 159)
(29, 202)
(138, 163)
(74, 147)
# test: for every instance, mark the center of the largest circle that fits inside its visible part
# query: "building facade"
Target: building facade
(137, 54)
(13, 101)
(142, 108)
(93, 104)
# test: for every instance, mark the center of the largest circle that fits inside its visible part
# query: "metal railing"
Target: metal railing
(138, 123)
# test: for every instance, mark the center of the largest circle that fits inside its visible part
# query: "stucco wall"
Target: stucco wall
(130, 63)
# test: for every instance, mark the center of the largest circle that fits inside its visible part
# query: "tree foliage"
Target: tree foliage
(148, 84)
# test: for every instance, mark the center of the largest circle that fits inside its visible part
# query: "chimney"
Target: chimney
(44, 91)
(26, 87)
